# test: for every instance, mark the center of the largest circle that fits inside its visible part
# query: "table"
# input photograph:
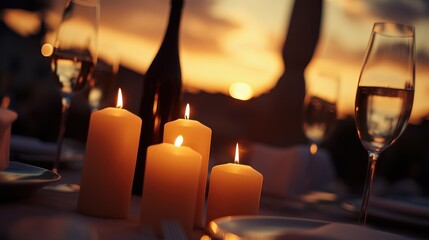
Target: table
(52, 215)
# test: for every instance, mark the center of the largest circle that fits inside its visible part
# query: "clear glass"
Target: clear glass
(385, 94)
(74, 55)
(102, 92)
(320, 113)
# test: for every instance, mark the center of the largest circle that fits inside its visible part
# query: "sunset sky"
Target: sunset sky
(227, 41)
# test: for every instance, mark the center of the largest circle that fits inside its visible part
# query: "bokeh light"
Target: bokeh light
(47, 50)
(241, 91)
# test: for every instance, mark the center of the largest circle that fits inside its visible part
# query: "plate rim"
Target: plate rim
(219, 233)
(32, 181)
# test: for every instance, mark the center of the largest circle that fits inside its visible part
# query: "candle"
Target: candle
(170, 185)
(235, 189)
(198, 137)
(7, 117)
(110, 159)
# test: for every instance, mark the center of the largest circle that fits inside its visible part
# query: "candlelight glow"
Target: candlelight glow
(187, 111)
(236, 159)
(179, 141)
(313, 148)
(119, 102)
(205, 237)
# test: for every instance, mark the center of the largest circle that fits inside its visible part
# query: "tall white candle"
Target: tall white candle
(198, 137)
(110, 159)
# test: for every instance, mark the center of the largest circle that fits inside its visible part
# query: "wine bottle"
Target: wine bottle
(161, 92)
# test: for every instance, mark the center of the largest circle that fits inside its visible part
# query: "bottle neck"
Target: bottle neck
(173, 27)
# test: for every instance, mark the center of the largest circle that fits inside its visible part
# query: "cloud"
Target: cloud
(401, 10)
(406, 11)
(200, 28)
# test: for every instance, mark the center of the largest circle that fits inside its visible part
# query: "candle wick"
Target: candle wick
(236, 161)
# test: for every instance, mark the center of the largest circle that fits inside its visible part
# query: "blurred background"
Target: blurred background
(232, 66)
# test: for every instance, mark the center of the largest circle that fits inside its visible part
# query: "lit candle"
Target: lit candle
(110, 159)
(235, 189)
(7, 117)
(198, 137)
(170, 185)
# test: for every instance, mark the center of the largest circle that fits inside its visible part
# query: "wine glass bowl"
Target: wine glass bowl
(320, 107)
(381, 115)
(319, 114)
(101, 91)
(73, 69)
(75, 47)
(385, 93)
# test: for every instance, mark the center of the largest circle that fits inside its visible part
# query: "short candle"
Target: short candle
(170, 185)
(235, 189)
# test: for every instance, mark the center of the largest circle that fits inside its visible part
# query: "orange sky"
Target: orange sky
(228, 41)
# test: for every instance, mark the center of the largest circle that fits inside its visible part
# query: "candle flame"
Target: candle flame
(119, 103)
(187, 110)
(179, 141)
(237, 158)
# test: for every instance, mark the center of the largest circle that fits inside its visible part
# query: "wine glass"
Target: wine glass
(101, 92)
(74, 55)
(385, 94)
(320, 113)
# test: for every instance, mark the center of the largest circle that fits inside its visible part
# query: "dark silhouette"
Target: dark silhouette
(160, 102)
(275, 117)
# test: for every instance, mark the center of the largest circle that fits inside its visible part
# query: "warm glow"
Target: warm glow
(205, 237)
(241, 91)
(214, 227)
(179, 141)
(187, 111)
(5, 102)
(119, 103)
(94, 97)
(231, 236)
(313, 149)
(237, 158)
(47, 50)
(13, 18)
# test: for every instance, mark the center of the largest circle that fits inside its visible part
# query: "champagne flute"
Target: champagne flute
(320, 114)
(74, 56)
(385, 94)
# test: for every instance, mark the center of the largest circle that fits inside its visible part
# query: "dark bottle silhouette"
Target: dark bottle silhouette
(161, 92)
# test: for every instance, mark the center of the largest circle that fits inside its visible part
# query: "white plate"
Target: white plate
(405, 210)
(259, 227)
(20, 180)
(275, 227)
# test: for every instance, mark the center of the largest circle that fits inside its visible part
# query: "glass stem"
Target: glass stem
(372, 160)
(64, 112)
